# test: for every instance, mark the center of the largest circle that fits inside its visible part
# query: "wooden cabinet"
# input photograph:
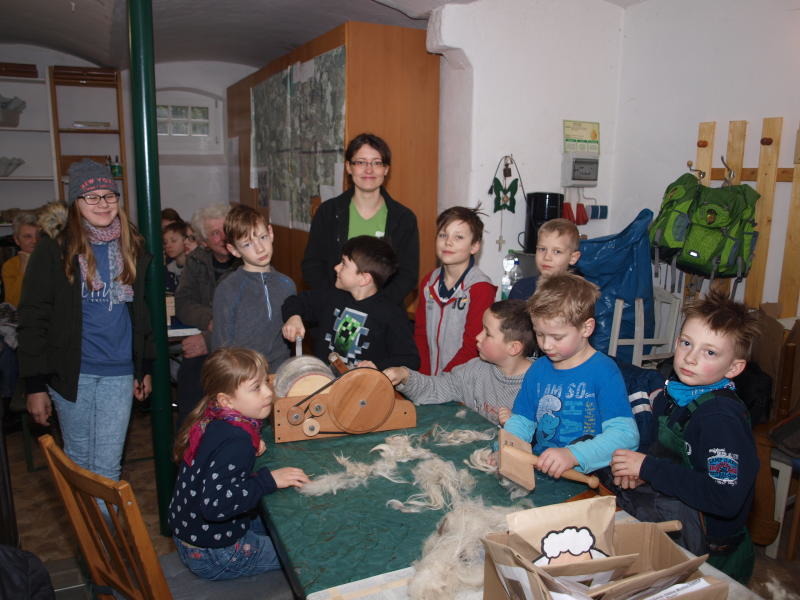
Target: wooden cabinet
(32, 183)
(87, 121)
(391, 90)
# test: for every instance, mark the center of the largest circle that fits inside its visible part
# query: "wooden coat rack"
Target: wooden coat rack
(766, 175)
(763, 526)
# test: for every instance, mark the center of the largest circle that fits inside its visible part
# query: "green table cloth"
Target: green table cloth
(329, 540)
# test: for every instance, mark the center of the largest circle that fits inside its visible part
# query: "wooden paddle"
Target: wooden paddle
(514, 463)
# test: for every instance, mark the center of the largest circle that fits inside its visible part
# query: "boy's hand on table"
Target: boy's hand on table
(554, 461)
(293, 328)
(396, 375)
(289, 477)
(626, 463)
(503, 415)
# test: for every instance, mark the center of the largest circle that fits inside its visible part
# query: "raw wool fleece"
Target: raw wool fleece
(395, 449)
(452, 556)
(482, 460)
(778, 592)
(442, 486)
(458, 437)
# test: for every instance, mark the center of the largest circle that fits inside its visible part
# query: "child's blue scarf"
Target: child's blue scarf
(683, 394)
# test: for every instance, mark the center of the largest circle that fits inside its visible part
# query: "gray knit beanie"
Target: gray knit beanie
(88, 176)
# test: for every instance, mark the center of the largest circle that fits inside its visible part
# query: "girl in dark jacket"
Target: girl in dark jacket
(84, 328)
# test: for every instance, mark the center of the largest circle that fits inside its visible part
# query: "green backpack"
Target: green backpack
(669, 229)
(706, 231)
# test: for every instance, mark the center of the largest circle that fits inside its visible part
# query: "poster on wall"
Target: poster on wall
(298, 137)
(582, 136)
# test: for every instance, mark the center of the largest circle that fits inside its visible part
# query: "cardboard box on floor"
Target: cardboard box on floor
(644, 558)
(770, 353)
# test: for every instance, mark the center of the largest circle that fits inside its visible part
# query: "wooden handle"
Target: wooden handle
(338, 363)
(668, 526)
(591, 480)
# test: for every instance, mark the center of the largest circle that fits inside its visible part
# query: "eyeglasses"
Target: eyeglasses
(95, 198)
(363, 164)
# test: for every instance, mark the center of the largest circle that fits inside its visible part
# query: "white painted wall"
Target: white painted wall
(533, 64)
(685, 62)
(189, 182)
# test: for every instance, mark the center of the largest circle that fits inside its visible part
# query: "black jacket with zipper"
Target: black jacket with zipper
(51, 320)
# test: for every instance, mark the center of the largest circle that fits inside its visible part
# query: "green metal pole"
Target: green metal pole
(145, 138)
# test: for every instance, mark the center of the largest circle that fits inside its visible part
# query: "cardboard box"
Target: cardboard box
(509, 571)
(770, 353)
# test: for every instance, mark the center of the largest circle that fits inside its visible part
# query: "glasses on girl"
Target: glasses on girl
(95, 198)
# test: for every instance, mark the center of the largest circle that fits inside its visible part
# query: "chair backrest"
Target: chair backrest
(666, 310)
(114, 542)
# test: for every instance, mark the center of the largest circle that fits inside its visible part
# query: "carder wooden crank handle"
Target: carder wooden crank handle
(591, 480)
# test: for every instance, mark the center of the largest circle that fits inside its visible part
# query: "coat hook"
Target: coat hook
(730, 174)
(700, 174)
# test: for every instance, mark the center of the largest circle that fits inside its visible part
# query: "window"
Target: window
(182, 120)
(189, 121)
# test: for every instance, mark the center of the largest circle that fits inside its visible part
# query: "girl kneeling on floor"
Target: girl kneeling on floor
(213, 513)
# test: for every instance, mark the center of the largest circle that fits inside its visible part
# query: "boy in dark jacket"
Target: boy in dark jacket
(355, 319)
(702, 468)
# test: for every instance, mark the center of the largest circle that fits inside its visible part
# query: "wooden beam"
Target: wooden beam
(734, 157)
(784, 174)
(765, 185)
(703, 161)
(790, 271)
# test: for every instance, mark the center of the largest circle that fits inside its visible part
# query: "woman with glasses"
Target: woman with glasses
(364, 209)
(84, 329)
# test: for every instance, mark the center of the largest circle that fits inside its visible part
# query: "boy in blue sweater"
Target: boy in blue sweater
(247, 303)
(702, 467)
(572, 404)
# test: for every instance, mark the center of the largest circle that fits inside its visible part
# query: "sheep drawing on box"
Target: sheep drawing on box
(568, 545)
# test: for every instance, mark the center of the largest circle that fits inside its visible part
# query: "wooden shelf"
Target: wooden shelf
(87, 77)
(25, 129)
(21, 79)
(28, 178)
(86, 130)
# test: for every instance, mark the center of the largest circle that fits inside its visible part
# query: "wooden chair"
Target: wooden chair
(117, 548)
(666, 309)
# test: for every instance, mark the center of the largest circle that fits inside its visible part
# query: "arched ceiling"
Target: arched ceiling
(249, 32)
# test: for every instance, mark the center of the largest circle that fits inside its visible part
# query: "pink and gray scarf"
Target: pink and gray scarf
(120, 292)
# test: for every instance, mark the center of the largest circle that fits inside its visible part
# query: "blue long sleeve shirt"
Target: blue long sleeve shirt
(556, 407)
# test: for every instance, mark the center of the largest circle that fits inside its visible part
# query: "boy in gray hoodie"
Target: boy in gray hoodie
(247, 303)
(488, 382)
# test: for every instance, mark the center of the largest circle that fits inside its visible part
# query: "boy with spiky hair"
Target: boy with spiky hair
(702, 468)
(489, 382)
(247, 304)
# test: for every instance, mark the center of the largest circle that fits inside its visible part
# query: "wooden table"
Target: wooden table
(334, 539)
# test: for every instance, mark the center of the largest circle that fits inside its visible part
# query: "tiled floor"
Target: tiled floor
(45, 531)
